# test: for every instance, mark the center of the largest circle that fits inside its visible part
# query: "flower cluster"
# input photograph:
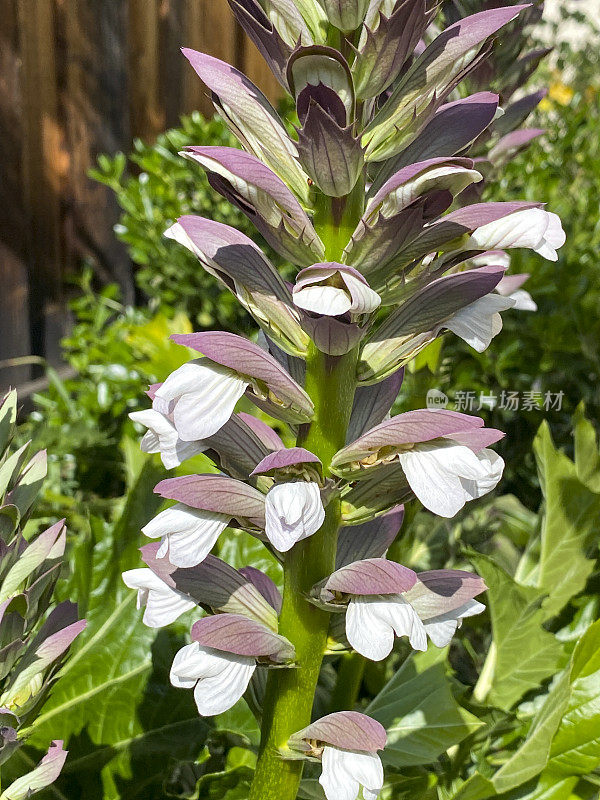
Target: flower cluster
(369, 201)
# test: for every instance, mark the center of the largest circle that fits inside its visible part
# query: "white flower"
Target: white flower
(534, 228)
(293, 511)
(162, 437)
(218, 679)
(373, 620)
(163, 604)
(204, 396)
(188, 534)
(480, 321)
(445, 475)
(345, 772)
(331, 290)
(442, 628)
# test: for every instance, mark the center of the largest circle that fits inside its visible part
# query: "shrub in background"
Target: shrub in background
(161, 189)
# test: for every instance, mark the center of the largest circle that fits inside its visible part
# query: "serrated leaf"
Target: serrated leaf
(532, 756)
(587, 453)
(419, 712)
(570, 521)
(576, 746)
(525, 654)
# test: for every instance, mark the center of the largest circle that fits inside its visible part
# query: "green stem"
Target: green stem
(331, 383)
(486, 678)
(290, 692)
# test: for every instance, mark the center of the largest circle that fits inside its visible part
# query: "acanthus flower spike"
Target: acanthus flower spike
(370, 199)
(346, 743)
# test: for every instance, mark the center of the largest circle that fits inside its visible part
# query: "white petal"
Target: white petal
(523, 301)
(493, 467)
(480, 321)
(335, 779)
(319, 299)
(190, 533)
(437, 488)
(442, 631)
(158, 426)
(372, 621)
(369, 633)
(442, 628)
(364, 299)
(406, 622)
(224, 680)
(345, 772)
(163, 604)
(206, 395)
(162, 437)
(185, 666)
(525, 228)
(293, 511)
(555, 235)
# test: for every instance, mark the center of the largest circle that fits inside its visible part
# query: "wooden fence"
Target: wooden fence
(78, 78)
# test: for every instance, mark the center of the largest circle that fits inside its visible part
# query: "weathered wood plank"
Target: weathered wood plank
(208, 27)
(96, 111)
(14, 298)
(172, 63)
(43, 166)
(147, 113)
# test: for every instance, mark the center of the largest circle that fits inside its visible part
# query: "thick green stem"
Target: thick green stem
(331, 383)
(290, 692)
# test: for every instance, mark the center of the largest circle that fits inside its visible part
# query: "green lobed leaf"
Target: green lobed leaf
(570, 522)
(576, 746)
(524, 653)
(587, 452)
(419, 712)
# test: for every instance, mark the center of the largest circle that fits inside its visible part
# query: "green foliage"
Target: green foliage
(115, 352)
(162, 187)
(421, 716)
(524, 654)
